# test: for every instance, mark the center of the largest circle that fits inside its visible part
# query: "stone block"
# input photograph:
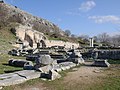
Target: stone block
(63, 68)
(45, 69)
(54, 75)
(18, 77)
(101, 63)
(44, 59)
(58, 69)
(19, 63)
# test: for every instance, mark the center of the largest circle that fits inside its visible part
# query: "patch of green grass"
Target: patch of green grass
(6, 36)
(4, 67)
(114, 61)
(111, 80)
(112, 83)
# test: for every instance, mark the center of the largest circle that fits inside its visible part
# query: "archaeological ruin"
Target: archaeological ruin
(45, 58)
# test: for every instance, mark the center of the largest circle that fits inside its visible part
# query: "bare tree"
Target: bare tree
(115, 40)
(84, 37)
(104, 38)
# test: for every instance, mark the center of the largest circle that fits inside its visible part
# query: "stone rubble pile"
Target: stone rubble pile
(44, 67)
(76, 57)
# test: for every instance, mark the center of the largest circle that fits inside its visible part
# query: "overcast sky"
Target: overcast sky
(89, 17)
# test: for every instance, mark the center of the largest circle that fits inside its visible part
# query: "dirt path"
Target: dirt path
(83, 77)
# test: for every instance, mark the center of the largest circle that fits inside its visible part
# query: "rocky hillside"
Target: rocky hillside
(12, 14)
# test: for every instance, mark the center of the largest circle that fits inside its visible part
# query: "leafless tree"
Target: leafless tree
(104, 38)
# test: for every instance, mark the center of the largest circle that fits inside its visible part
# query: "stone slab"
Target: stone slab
(18, 77)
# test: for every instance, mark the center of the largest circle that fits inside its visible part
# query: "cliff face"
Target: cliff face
(12, 14)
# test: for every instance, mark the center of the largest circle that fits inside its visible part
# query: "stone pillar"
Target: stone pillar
(91, 42)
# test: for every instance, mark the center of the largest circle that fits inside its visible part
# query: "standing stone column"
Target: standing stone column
(91, 42)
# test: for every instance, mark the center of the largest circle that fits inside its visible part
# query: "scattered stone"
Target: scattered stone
(63, 68)
(43, 52)
(76, 57)
(18, 52)
(74, 69)
(67, 67)
(54, 56)
(96, 71)
(28, 67)
(31, 57)
(54, 75)
(57, 67)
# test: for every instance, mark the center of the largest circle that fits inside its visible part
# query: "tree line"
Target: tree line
(103, 39)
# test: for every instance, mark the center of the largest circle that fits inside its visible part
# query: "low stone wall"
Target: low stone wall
(30, 37)
(71, 45)
(109, 54)
(102, 54)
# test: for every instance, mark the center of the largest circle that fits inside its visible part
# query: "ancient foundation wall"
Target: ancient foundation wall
(50, 43)
(109, 54)
(33, 37)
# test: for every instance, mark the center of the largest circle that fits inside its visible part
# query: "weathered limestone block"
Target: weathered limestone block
(19, 63)
(66, 65)
(18, 77)
(57, 67)
(28, 67)
(63, 68)
(44, 69)
(44, 59)
(12, 80)
(72, 65)
(75, 54)
(29, 74)
(101, 63)
(31, 57)
(52, 75)
(76, 57)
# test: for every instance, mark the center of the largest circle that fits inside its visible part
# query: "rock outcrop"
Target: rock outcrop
(29, 37)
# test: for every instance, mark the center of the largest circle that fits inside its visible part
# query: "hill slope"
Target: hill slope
(10, 14)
